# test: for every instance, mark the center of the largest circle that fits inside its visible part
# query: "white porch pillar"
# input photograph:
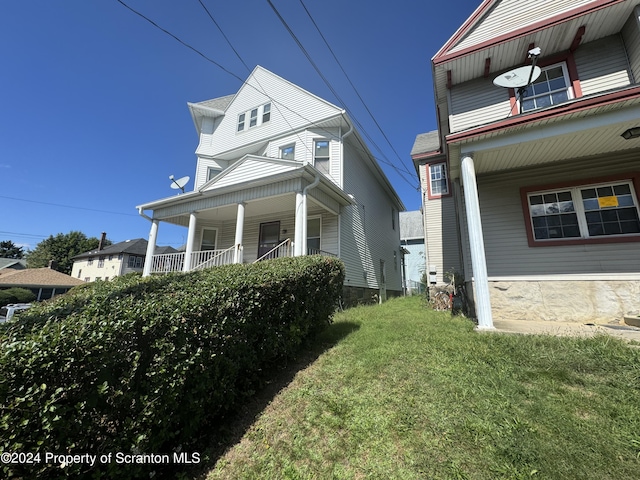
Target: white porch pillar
(151, 248)
(300, 221)
(191, 235)
(239, 232)
(476, 242)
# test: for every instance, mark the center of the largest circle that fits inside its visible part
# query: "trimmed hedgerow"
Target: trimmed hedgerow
(142, 365)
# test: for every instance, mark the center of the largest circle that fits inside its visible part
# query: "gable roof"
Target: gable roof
(137, 246)
(426, 143)
(37, 277)
(14, 263)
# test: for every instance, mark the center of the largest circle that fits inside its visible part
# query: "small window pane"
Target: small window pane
(605, 191)
(535, 200)
(622, 190)
(550, 197)
(322, 148)
(266, 113)
(591, 204)
(288, 153)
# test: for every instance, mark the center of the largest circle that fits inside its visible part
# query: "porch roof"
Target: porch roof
(327, 194)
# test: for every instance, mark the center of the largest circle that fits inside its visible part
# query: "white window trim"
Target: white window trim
(210, 177)
(328, 157)
(215, 246)
(443, 166)
(284, 147)
(569, 89)
(245, 118)
(315, 217)
(576, 198)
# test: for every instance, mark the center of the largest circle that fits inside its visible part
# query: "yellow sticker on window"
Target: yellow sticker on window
(604, 202)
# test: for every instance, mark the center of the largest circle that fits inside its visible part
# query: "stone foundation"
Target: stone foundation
(565, 301)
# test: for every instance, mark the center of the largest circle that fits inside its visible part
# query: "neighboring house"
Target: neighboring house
(12, 263)
(412, 240)
(45, 283)
(112, 261)
(280, 172)
(545, 189)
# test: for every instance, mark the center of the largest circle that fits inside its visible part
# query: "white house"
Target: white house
(280, 171)
(105, 263)
(532, 192)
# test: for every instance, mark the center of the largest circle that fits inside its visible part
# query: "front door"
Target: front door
(269, 238)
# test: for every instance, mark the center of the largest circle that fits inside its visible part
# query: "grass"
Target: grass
(409, 393)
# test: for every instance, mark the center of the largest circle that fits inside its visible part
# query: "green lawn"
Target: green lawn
(408, 393)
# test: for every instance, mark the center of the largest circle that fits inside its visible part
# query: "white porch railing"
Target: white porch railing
(174, 262)
(283, 249)
(214, 258)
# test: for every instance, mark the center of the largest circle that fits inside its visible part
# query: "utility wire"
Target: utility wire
(332, 89)
(68, 206)
(244, 82)
(350, 82)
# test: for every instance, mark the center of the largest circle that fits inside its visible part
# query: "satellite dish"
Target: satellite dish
(179, 183)
(518, 78)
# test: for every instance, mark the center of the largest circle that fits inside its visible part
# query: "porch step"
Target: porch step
(633, 320)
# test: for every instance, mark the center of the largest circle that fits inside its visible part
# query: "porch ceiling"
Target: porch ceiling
(576, 135)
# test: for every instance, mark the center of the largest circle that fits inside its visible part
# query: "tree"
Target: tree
(8, 249)
(61, 249)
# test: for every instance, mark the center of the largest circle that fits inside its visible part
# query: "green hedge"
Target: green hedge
(142, 365)
(16, 295)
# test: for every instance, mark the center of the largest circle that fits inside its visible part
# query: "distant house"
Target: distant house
(113, 260)
(45, 283)
(532, 191)
(282, 172)
(412, 240)
(13, 263)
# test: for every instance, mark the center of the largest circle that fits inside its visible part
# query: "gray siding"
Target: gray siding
(477, 102)
(602, 65)
(367, 235)
(631, 37)
(503, 222)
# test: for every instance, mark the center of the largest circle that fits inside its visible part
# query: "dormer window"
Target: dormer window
(288, 152)
(257, 116)
(552, 87)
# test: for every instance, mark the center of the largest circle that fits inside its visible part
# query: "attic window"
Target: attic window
(241, 122)
(552, 87)
(212, 172)
(266, 113)
(257, 116)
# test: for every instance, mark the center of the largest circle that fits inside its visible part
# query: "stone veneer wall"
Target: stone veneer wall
(589, 301)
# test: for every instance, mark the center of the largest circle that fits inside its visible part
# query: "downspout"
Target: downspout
(144, 215)
(315, 183)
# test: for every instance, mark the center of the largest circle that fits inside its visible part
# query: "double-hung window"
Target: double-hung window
(552, 87)
(253, 118)
(241, 119)
(321, 157)
(438, 181)
(266, 113)
(584, 212)
(256, 116)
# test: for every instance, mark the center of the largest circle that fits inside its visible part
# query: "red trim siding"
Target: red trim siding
(524, 191)
(560, 110)
(529, 29)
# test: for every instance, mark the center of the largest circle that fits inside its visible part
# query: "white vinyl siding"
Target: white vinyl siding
(202, 171)
(302, 108)
(366, 233)
(602, 65)
(506, 246)
(250, 168)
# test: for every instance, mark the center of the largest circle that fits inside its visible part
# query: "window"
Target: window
(90, 261)
(135, 261)
(321, 156)
(393, 218)
(100, 262)
(438, 180)
(288, 152)
(551, 88)
(212, 172)
(253, 118)
(209, 239)
(266, 113)
(241, 118)
(313, 235)
(584, 212)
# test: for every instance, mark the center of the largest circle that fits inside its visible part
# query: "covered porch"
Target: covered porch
(289, 214)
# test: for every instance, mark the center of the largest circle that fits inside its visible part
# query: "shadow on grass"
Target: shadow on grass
(231, 429)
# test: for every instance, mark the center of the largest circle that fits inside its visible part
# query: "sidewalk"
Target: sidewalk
(621, 330)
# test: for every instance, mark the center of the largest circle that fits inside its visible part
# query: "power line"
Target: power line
(68, 206)
(350, 82)
(244, 82)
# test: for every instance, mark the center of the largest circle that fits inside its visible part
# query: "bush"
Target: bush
(142, 365)
(16, 295)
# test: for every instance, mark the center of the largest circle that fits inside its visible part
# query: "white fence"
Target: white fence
(174, 262)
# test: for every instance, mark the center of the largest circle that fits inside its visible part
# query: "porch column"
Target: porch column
(239, 232)
(191, 235)
(300, 220)
(151, 248)
(476, 243)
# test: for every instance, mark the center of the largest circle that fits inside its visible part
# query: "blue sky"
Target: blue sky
(93, 98)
